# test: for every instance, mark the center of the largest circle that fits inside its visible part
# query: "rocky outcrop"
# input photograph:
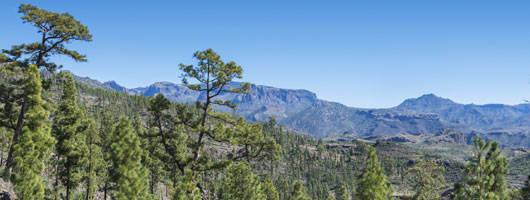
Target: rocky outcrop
(7, 187)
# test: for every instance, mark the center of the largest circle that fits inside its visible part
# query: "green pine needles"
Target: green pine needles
(372, 182)
(240, 183)
(70, 129)
(34, 143)
(128, 174)
(427, 180)
(484, 174)
(299, 192)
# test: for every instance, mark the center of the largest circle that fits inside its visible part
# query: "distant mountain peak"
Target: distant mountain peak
(430, 95)
(115, 86)
(426, 100)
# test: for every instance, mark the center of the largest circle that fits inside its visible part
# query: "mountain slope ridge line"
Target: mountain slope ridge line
(301, 110)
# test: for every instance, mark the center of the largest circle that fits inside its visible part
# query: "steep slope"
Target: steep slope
(258, 105)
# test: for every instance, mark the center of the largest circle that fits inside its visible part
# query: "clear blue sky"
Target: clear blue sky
(360, 53)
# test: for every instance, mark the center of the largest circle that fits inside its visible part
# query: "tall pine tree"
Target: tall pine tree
(128, 173)
(484, 174)
(169, 142)
(240, 183)
(203, 124)
(372, 182)
(269, 190)
(342, 192)
(105, 133)
(35, 141)
(299, 192)
(185, 188)
(95, 165)
(69, 129)
(427, 180)
(153, 148)
(55, 31)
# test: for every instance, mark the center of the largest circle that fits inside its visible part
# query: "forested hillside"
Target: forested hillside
(67, 139)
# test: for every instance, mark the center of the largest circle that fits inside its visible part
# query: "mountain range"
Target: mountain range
(302, 111)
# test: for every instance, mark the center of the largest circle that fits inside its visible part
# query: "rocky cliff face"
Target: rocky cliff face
(258, 105)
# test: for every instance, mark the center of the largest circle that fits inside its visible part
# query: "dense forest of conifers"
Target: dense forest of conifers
(62, 140)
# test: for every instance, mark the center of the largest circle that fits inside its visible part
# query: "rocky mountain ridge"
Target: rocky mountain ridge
(261, 103)
(302, 111)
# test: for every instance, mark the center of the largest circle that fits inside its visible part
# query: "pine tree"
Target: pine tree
(186, 189)
(214, 77)
(299, 192)
(106, 133)
(239, 183)
(151, 149)
(342, 192)
(170, 143)
(202, 124)
(95, 166)
(34, 143)
(57, 30)
(427, 180)
(5, 141)
(128, 174)
(268, 189)
(326, 193)
(69, 130)
(372, 182)
(484, 174)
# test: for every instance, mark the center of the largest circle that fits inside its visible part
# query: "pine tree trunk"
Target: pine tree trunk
(88, 189)
(56, 184)
(2, 153)
(68, 185)
(152, 181)
(105, 191)
(18, 129)
(88, 182)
